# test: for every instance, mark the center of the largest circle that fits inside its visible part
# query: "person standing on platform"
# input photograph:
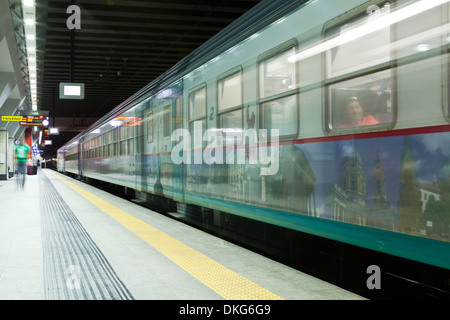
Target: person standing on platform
(21, 157)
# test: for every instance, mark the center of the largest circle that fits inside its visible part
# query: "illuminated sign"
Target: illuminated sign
(12, 118)
(53, 131)
(34, 121)
(71, 90)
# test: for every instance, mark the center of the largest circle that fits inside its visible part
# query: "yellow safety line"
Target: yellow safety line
(220, 279)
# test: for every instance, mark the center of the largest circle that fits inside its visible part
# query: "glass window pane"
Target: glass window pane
(166, 122)
(149, 120)
(130, 146)
(231, 119)
(280, 114)
(362, 101)
(229, 91)
(277, 74)
(357, 48)
(197, 104)
(197, 136)
(421, 32)
(178, 120)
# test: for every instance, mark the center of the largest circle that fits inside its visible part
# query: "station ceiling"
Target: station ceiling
(121, 47)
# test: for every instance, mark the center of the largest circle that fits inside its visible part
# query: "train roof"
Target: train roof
(263, 14)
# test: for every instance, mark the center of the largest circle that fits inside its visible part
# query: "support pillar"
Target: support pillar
(3, 155)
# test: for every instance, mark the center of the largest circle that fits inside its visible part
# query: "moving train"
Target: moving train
(316, 132)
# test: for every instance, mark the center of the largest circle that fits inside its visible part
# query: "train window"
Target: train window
(130, 146)
(123, 147)
(278, 101)
(115, 134)
(229, 99)
(361, 102)
(197, 124)
(197, 104)
(423, 32)
(166, 122)
(280, 114)
(232, 119)
(130, 130)
(123, 131)
(178, 119)
(229, 91)
(358, 80)
(277, 74)
(197, 113)
(149, 121)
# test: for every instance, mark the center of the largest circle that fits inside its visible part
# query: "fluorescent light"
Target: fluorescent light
(72, 90)
(53, 131)
(423, 47)
(29, 14)
(115, 123)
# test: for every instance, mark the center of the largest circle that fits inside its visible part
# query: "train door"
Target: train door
(178, 169)
(80, 157)
(148, 176)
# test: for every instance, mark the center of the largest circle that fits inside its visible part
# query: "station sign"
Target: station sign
(34, 117)
(12, 118)
(53, 131)
(71, 90)
(34, 121)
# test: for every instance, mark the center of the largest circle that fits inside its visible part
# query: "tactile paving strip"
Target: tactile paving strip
(74, 267)
(225, 282)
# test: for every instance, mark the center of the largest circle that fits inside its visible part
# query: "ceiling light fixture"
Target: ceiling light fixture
(29, 17)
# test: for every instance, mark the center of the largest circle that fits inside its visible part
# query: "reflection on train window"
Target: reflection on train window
(278, 99)
(149, 121)
(197, 104)
(363, 101)
(231, 119)
(197, 113)
(166, 122)
(365, 98)
(280, 114)
(354, 52)
(197, 135)
(229, 92)
(130, 146)
(123, 147)
(178, 119)
(229, 98)
(277, 74)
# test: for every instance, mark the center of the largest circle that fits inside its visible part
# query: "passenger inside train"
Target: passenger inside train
(355, 115)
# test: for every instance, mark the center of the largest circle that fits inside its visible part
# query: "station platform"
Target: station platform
(62, 239)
